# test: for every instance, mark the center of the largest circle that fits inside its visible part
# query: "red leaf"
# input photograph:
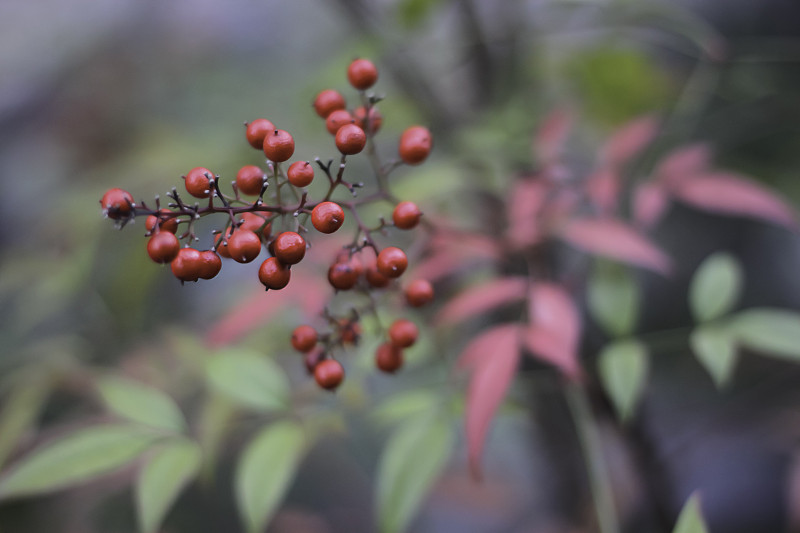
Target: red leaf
(493, 356)
(481, 298)
(603, 187)
(683, 163)
(629, 140)
(524, 207)
(616, 240)
(548, 144)
(650, 200)
(736, 195)
(455, 251)
(555, 327)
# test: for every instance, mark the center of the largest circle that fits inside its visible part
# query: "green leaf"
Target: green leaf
(412, 13)
(715, 287)
(140, 403)
(622, 367)
(413, 458)
(83, 455)
(250, 378)
(19, 411)
(691, 519)
(212, 428)
(165, 474)
(613, 298)
(774, 332)
(403, 405)
(715, 348)
(265, 469)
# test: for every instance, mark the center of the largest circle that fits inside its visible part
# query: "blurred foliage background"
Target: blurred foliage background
(132, 93)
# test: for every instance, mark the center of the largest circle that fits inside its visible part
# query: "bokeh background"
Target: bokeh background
(132, 93)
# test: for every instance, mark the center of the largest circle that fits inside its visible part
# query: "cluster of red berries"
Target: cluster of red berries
(250, 223)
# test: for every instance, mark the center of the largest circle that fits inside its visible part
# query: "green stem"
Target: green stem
(592, 450)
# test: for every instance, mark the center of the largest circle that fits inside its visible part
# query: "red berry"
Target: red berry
(198, 182)
(415, 145)
(327, 217)
(350, 139)
(375, 278)
(221, 243)
(163, 247)
(313, 358)
(256, 223)
(403, 333)
(117, 204)
(250, 180)
(187, 265)
(375, 119)
(392, 262)
(388, 357)
(300, 173)
(337, 119)
(328, 101)
(342, 276)
(278, 146)
(210, 264)
(419, 292)
(164, 224)
(289, 247)
(362, 74)
(257, 130)
(244, 246)
(329, 374)
(274, 274)
(406, 215)
(304, 338)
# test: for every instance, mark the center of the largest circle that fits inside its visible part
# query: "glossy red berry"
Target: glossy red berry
(210, 264)
(304, 338)
(403, 333)
(289, 247)
(406, 215)
(163, 247)
(419, 292)
(388, 357)
(250, 180)
(327, 217)
(117, 204)
(392, 262)
(278, 146)
(337, 119)
(329, 374)
(244, 246)
(415, 145)
(221, 243)
(164, 224)
(257, 130)
(342, 276)
(198, 182)
(375, 119)
(256, 223)
(300, 173)
(350, 139)
(375, 278)
(328, 101)
(362, 74)
(273, 274)
(187, 265)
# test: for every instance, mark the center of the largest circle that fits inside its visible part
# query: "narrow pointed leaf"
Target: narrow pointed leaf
(412, 460)
(19, 411)
(736, 195)
(265, 470)
(482, 298)
(774, 332)
(683, 163)
(715, 348)
(555, 327)
(613, 298)
(525, 205)
(80, 456)
(549, 141)
(614, 239)
(494, 355)
(140, 403)
(622, 367)
(650, 201)
(715, 287)
(404, 405)
(603, 187)
(629, 140)
(691, 519)
(162, 478)
(250, 378)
